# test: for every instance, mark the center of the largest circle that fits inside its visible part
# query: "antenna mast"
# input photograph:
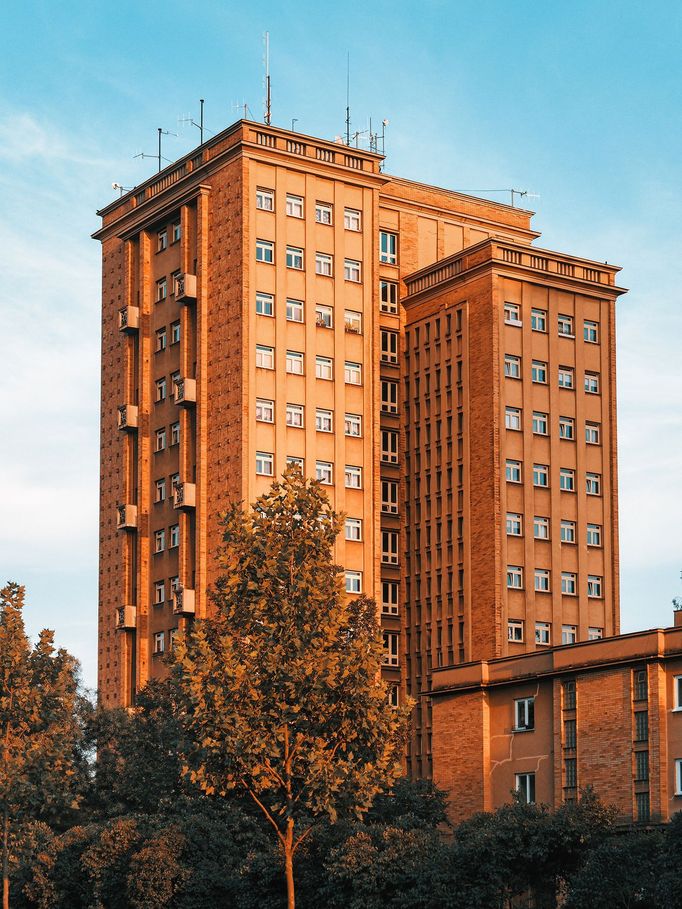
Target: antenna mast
(348, 99)
(267, 80)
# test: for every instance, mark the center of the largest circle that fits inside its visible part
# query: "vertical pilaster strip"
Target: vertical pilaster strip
(201, 442)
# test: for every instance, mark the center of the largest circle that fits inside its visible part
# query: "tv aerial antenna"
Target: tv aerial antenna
(677, 601)
(200, 125)
(244, 107)
(521, 193)
(159, 157)
(267, 117)
(121, 189)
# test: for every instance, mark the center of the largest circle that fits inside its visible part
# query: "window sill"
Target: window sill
(513, 324)
(677, 710)
(523, 729)
(564, 335)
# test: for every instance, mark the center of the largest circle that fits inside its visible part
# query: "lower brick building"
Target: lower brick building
(605, 714)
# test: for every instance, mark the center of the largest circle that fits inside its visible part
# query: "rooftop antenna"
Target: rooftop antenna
(200, 125)
(121, 189)
(677, 601)
(521, 193)
(294, 120)
(348, 98)
(159, 157)
(268, 111)
(242, 107)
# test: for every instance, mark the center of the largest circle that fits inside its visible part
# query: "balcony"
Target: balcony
(186, 288)
(127, 417)
(185, 391)
(126, 517)
(183, 601)
(125, 617)
(129, 319)
(184, 495)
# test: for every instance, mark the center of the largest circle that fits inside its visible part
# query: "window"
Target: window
(175, 378)
(569, 634)
(162, 240)
(592, 431)
(352, 373)
(174, 536)
(323, 264)
(324, 368)
(566, 326)
(640, 684)
(591, 332)
(540, 475)
(159, 593)
(353, 425)
(568, 531)
(394, 696)
(389, 346)
(538, 319)
(159, 641)
(389, 597)
(542, 578)
(324, 420)
(525, 786)
(593, 484)
(677, 692)
(570, 773)
(594, 586)
(678, 776)
(568, 584)
(353, 477)
(391, 649)
(524, 714)
(389, 497)
(567, 480)
(540, 528)
(389, 396)
(159, 540)
(594, 534)
(265, 357)
(294, 206)
(324, 472)
(175, 433)
(161, 389)
(592, 383)
(174, 481)
(323, 213)
(161, 290)
(160, 490)
(543, 631)
(595, 634)
(641, 725)
(176, 232)
(265, 199)
(512, 314)
(160, 440)
(388, 248)
(353, 322)
(513, 472)
(295, 415)
(294, 258)
(351, 219)
(265, 463)
(388, 297)
(512, 366)
(569, 693)
(294, 310)
(161, 339)
(389, 446)
(265, 410)
(514, 577)
(352, 270)
(353, 582)
(175, 333)
(389, 547)
(539, 372)
(294, 362)
(296, 463)
(540, 424)
(265, 304)
(265, 251)
(324, 316)
(353, 527)
(567, 428)
(512, 418)
(570, 737)
(514, 524)
(515, 630)
(566, 377)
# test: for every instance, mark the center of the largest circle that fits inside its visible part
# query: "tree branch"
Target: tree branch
(265, 811)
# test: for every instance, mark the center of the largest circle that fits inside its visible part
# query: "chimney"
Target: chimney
(678, 617)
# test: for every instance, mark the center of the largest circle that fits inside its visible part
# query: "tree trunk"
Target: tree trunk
(5, 861)
(288, 864)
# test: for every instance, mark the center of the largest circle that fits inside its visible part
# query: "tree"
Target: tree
(43, 764)
(282, 691)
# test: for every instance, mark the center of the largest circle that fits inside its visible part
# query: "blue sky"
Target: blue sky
(578, 102)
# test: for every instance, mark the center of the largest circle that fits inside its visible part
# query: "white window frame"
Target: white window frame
(265, 199)
(514, 524)
(389, 453)
(567, 429)
(568, 532)
(593, 484)
(592, 383)
(540, 528)
(161, 337)
(352, 321)
(391, 641)
(265, 252)
(160, 490)
(295, 415)
(515, 631)
(524, 714)
(324, 264)
(512, 366)
(159, 593)
(543, 634)
(324, 368)
(161, 290)
(174, 536)
(389, 497)
(388, 297)
(389, 552)
(159, 540)
(176, 232)
(294, 461)
(265, 410)
(160, 440)
(265, 464)
(295, 363)
(567, 479)
(592, 433)
(324, 213)
(540, 423)
(175, 433)
(353, 476)
(514, 577)
(389, 396)
(677, 692)
(388, 247)
(513, 418)
(352, 271)
(539, 372)
(542, 580)
(512, 314)
(295, 258)
(511, 469)
(389, 346)
(324, 472)
(352, 219)
(567, 372)
(162, 240)
(595, 587)
(161, 386)
(159, 642)
(324, 420)
(265, 302)
(390, 597)
(594, 535)
(353, 530)
(175, 333)
(524, 784)
(353, 582)
(324, 316)
(678, 777)
(594, 633)
(569, 634)
(265, 357)
(590, 332)
(538, 320)
(294, 310)
(353, 421)
(352, 373)
(294, 206)
(565, 326)
(569, 583)
(541, 471)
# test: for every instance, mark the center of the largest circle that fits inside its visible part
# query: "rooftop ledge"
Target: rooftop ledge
(507, 254)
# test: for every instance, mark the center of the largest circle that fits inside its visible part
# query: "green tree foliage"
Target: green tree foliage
(283, 697)
(43, 765)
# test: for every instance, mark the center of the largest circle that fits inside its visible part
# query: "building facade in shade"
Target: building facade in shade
(605, 713)
(252, 318)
